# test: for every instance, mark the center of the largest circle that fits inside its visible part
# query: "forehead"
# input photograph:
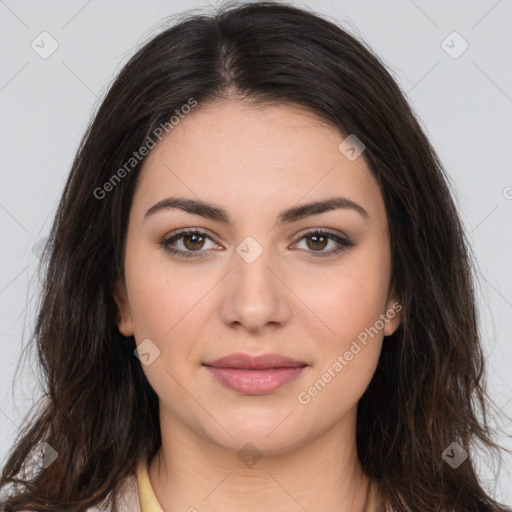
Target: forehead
(254, 157)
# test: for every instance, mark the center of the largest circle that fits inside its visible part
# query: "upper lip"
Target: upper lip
(262, 362)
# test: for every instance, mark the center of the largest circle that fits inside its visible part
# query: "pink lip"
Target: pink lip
(263, 362)
(255, 375)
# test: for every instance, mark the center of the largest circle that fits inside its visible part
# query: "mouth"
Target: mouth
(257, 375)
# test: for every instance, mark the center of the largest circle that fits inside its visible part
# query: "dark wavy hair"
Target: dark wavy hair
(99, 412)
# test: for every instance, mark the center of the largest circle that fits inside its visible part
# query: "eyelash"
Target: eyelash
(343, 243)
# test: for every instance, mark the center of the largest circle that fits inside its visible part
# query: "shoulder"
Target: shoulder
(128, 500)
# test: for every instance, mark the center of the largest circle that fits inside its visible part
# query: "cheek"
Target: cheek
(336, 386)
(159, 298)
(353, 299)
(349, 350)
(351, 305)
(166, 308)
(351, 354)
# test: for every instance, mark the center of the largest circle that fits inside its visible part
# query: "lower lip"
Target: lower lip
(255, 382)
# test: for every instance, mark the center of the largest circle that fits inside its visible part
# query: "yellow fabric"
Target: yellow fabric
(147, 498)
(372, 502)
(149, 503)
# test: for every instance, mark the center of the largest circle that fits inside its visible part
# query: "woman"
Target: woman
(258, 290)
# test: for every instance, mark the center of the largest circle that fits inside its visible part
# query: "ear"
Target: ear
(393, 313)
(123, 318)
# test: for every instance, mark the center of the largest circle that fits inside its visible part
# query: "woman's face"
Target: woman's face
(254, 281)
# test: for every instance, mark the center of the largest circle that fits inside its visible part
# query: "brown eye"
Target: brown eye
(319, 242)
(316, 241)
(190, 243)
(193, 241)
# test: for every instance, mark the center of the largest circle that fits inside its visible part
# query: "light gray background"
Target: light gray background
(464, 103)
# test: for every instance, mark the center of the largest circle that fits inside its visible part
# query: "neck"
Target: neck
(192, 473)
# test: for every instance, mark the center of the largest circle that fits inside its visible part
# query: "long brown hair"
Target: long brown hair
(99, 412)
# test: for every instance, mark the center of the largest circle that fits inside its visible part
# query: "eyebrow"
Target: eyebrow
(215, 213)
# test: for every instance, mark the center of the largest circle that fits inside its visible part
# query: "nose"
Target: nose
(255, 297)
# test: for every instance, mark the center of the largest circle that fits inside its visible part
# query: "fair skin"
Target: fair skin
(255, 162)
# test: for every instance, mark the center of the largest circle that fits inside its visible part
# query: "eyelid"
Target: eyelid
(187, 231)
(176, 235)
(327, 231)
